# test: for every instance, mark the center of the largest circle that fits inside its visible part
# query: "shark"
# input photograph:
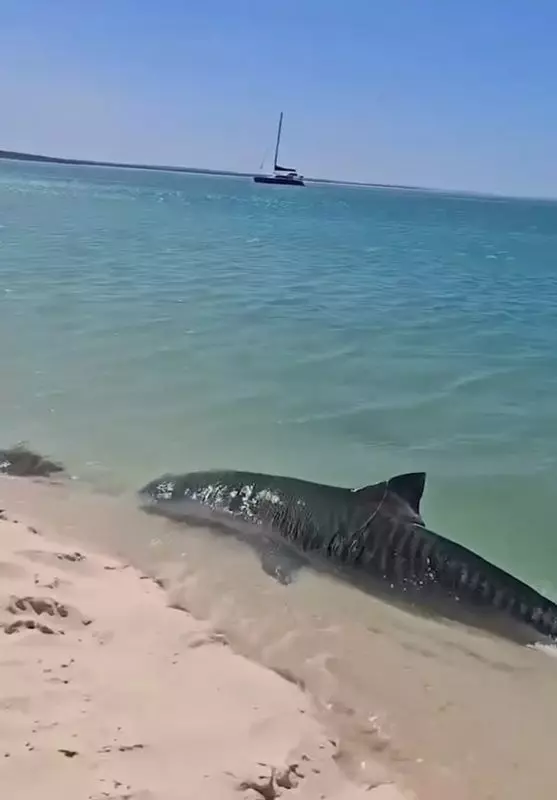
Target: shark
(376, 532)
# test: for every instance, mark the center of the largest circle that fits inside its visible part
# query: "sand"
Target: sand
(107, 692)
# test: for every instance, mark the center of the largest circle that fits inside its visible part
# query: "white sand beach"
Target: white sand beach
(147, 660)
(107, 692)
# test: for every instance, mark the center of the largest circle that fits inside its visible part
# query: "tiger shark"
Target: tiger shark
(376, 532)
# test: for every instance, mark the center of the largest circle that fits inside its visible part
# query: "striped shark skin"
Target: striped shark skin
(377, 530)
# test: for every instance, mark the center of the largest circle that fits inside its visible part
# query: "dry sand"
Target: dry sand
(107, 692)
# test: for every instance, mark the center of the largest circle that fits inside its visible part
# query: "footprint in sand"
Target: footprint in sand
(50, 582)
(196, 640)
(128, 794)
(27, 624)
(272, 785)
(55, 559)
(29, 609)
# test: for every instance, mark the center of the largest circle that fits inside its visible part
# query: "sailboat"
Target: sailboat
(286, 176)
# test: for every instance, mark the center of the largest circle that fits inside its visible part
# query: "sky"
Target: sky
(453, 94)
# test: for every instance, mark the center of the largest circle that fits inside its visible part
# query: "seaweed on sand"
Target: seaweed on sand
(21, 461)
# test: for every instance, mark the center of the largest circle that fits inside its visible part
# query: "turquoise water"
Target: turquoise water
(154, 321)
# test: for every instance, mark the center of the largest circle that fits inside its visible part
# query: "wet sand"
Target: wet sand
(432, 707)
(107, 691)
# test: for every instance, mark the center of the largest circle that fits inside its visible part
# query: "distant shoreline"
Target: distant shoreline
(14, 155)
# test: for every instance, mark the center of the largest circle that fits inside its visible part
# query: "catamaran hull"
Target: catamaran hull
(278, 180)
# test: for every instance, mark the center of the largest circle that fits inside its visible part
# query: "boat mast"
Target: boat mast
(278, 139)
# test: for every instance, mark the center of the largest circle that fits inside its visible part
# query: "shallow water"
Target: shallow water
(162, 321)
(447, 710)
(153, 322)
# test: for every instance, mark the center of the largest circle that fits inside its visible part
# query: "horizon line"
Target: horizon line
(16, 155)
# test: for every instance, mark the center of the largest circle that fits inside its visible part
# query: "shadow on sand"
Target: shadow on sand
(283, 562)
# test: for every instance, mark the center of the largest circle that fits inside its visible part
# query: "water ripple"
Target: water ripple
(339, 334)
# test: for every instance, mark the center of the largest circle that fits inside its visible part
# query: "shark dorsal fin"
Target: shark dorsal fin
(410, 487)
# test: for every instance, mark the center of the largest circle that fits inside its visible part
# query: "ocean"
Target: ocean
(155, 322)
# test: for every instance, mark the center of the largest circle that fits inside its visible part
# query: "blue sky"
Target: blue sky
(442, 93)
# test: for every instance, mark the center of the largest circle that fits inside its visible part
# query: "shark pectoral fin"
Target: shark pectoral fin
(281, 564)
